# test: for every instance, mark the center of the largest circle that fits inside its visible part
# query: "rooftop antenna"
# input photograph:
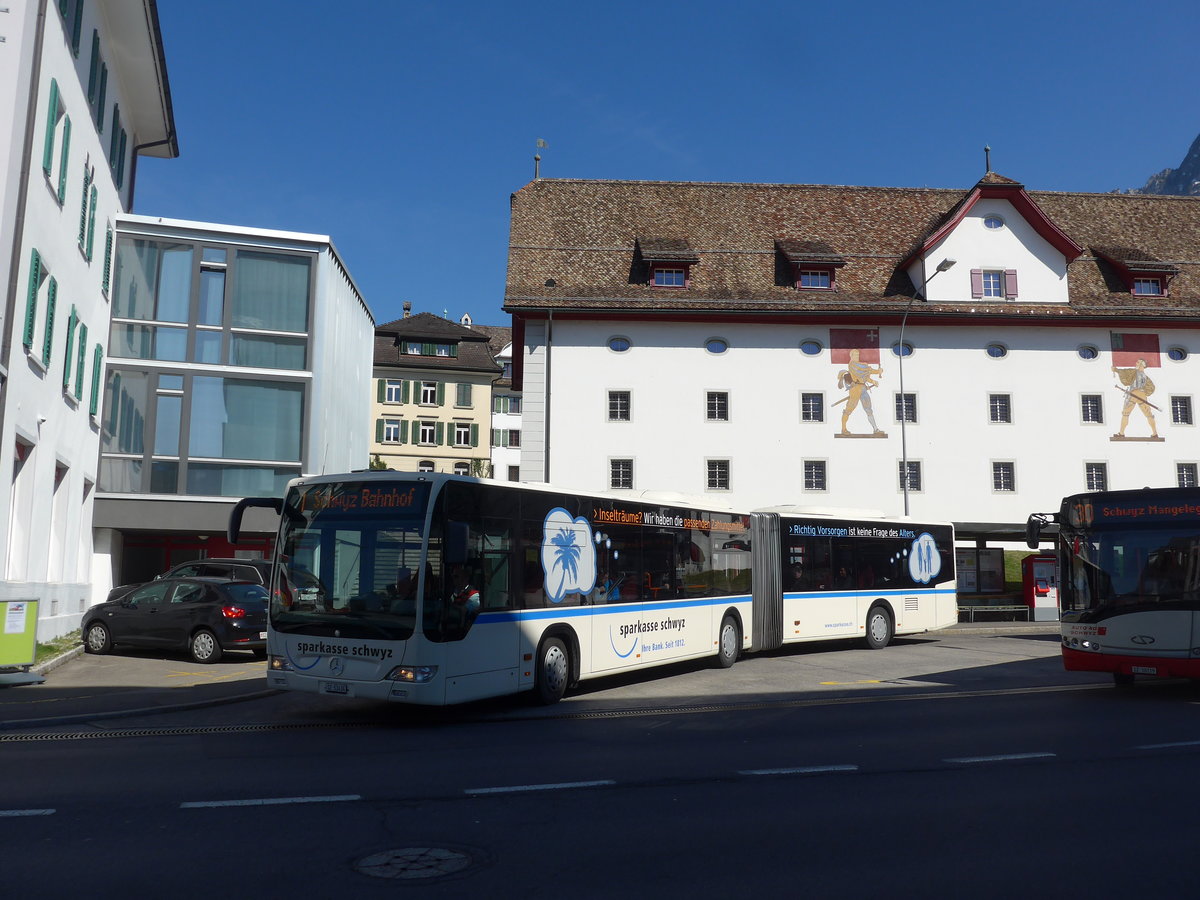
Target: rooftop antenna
(987, 158)
(537, 160)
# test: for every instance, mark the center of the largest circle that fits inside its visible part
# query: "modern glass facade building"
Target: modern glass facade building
(238, 358)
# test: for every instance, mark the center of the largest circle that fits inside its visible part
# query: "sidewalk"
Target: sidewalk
(80, 688)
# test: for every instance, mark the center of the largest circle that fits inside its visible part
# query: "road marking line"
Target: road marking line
(1005, 757)
(1168, 746)
(538, 787)
(26, 812)
(836, 683)
(270, 801)
(799, 770)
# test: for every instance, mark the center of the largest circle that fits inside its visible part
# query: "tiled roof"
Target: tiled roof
(580, 236)
(660, 249)
(473, 352)
(809, 252)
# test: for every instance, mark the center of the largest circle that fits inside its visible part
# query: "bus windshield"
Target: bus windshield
(350, 558)
(1147, 567)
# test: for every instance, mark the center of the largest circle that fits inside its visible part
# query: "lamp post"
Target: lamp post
(901, 352)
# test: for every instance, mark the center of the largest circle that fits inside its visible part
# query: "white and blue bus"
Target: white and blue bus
(437, 589)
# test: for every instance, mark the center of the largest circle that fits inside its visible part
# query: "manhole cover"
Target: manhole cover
(414, 862)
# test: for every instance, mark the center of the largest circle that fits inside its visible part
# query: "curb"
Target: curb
(56, 661)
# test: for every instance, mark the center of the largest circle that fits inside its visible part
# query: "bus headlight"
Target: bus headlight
(413, 674)
(280, 664)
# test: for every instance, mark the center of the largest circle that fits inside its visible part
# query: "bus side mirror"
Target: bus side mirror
(235, 515)
(1033, 529)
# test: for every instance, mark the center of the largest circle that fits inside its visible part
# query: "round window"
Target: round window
(905, 349)
(997, 351)
(619, 344)
(716, 345)
(1087, 351)
(1178, 354)
(993, 222)
(810, 348)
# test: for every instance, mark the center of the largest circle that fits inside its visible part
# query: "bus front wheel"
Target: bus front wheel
(729, 641)
(879, 628)
(553, 671)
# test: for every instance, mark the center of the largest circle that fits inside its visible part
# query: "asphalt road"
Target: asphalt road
(949, 767)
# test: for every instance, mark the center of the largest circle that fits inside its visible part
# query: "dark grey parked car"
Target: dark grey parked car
(206, 616)
(256, 570)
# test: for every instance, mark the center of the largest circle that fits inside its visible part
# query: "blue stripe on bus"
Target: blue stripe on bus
(827, 595)
(571, 612)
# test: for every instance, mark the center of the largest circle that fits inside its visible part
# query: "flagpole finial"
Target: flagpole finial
(537, 159)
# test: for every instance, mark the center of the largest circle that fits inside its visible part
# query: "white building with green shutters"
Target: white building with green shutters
(84, 94)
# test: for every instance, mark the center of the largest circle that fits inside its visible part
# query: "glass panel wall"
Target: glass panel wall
(271, 291)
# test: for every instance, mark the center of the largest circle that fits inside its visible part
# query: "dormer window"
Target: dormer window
(1141, 273)
(669, 276)
(1147, 287)
(668, 261)
(1000, 284)
(813, 264)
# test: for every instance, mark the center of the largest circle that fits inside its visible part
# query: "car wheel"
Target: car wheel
(553, 671)
(97, 639)
(879, 628)
(205, 647)
(729, 643)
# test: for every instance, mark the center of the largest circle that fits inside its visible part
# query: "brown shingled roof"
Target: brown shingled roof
(581, 236)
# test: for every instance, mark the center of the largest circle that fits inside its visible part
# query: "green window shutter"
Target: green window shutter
(474, 435)
(100, 100)
(466, 395)
(51, 302)
(428, 350)
(94, 69)
(404, 431)
(70, 346)
(404, 392)
(454, 350)
(83, 205)
(35, 282)
(441, 393)
(115, 140)
(51, 122)
(379, 431)
(91, 229)
(379, 390)
(77, 28)
(66, 155)
(79, 366)
(97, 366)
(121, 161)
(439, 434)
(108, 249)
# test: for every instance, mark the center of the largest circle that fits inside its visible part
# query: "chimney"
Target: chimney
(407, 308)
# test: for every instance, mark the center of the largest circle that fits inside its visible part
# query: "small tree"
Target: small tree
(378, 465)
(481, 468)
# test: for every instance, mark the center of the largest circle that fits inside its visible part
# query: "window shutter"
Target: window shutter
(51, 121)
(108, 248)
(91, 229)
(428, 350)
(115, 140)
(1010, 283)
(466, 395)
(100, 100)
(51, 301)
(35, 282)
(93, 70)
(97, 366)
(80, 364)
(474, 435)
(121, 161)
(977, 283)
(380, 388)
(66, 155)
(379, 431)
(404, 392)
(83, 206)
(454, 350)
(404, 431)
(441, 395)
(439, 434)
(77, 28)
(70, 346)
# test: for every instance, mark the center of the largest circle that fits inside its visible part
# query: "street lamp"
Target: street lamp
(901, 352)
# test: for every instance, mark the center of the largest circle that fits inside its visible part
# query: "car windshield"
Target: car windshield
(350, 555)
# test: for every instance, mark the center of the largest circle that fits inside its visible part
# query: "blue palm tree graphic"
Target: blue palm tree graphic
(566, 556)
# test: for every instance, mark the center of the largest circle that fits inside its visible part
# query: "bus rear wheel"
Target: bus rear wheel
(879, 628)
(729, 641)
(553, 671)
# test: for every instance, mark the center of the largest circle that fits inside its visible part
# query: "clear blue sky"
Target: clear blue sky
(401, 128)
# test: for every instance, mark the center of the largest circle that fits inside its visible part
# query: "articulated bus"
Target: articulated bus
(437, 589)
(1129, 582)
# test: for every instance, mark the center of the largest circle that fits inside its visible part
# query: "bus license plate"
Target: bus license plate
(334, 687)
(1144, 670)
